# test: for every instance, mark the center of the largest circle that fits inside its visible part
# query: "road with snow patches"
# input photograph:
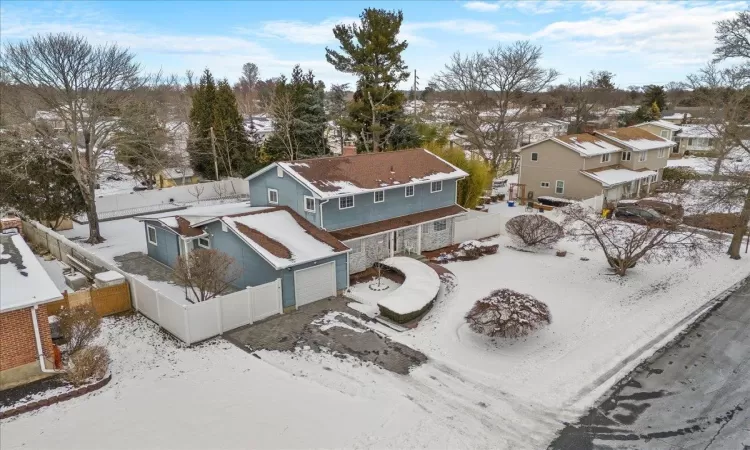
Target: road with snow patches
(693, 394)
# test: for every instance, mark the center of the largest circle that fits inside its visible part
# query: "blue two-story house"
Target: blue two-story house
(378, 204)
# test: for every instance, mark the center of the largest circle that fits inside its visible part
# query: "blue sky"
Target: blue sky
(641, 42)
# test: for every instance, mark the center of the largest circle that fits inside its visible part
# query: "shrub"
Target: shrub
(79, 327)
(87, 364)
(534, 230)
(508, 314)
(677, 176)
(475, 249)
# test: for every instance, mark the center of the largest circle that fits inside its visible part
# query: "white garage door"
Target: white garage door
(315, 283)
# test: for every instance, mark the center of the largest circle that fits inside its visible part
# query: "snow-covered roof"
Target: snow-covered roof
(613, 177)
(661, 124)
(23, 280)
(676, 116)
(181, 222)
(587, 144)
(698, 131)
(338, 176)
(420, 286)
(175, 173)
(283, 238)
(636, 139)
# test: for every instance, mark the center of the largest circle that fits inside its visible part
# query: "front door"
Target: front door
(394, 243)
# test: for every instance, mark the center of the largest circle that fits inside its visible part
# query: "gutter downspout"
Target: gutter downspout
(38, 339)
(321, 213)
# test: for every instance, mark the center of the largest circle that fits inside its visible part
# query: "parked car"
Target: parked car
(664, 208)
(644, 216)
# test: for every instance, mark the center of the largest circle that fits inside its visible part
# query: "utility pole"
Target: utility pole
(213, 149)
(415, 93)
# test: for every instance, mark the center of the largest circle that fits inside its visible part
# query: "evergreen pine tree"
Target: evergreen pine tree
(201, 121)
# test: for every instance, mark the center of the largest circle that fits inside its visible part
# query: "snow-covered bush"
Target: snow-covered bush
(475, 249)
(508, 314)
(79, 327)
(87, 365)
(534, 230)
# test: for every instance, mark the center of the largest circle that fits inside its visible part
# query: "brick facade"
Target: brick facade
(17, 343)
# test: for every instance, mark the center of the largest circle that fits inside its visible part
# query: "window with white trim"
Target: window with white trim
(379, 196)
(426, 228)
(279, 172)
(309, 204)
(642, 156)
(605, 157)
(664, 134)
(409, 191)
(440, 225)
(346, 202)
(273, 196)
(625, 156)
(151, 232)
(690, 141)
(204, 242)
(358, 246)
(535, 156)
(544, 184)
(662, 152)
(559, 187)
(436, 186)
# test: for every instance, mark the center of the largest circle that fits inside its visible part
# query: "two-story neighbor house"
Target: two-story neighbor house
(665, 129)
(614, 163)
(378, 204)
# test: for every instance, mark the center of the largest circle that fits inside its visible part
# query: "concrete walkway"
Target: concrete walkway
(694, 394)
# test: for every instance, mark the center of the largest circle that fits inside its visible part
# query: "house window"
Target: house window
(642, 156)
(535, 156)
(605, 157)
(664, 134)
(436, 186)
(346, 202)
(151, 231)
(690, 141)
(358, 246)
(379, 196)
(559, 187)
(626, 156)
(426, 228)
(279, 172)
(204, 242)
(409, 191)
(273, 196)
(662, 152)
(544, 184)
(309, 204)
(439, 225)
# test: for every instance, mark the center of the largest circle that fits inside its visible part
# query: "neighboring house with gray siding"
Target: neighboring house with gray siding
(266, 243)
(378, 204)
(616, 164)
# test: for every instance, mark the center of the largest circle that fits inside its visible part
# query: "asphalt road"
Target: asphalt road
(694, 394)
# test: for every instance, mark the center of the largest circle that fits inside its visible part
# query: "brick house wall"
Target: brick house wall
(17, 343)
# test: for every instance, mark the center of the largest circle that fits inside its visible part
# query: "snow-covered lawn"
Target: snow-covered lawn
(698, 197)
(368, 297)
(736, 161)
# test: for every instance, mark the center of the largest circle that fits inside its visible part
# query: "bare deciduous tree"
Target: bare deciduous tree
(534, 230)
(733, 37)
(624, 244)
(493, 96)
(79, 327)
(84, 86)
(508, 314)
(207, 273)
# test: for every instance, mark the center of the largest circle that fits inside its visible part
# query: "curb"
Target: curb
(56, 399)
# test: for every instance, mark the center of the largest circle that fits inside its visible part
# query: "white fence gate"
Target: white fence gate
(189, 322)
(478, 226)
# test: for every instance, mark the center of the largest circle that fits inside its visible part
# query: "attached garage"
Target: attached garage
(315, 283)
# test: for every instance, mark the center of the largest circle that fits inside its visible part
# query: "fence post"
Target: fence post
(219, 309)
(134, 291)
(187, 325)
(158, 309)
(250, 310)
(279, 293)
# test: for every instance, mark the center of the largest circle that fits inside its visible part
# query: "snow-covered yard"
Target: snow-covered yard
(735, 162)
(369, 293)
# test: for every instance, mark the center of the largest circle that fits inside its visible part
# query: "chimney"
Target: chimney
(349, 150)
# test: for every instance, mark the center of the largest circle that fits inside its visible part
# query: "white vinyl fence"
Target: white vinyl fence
(596, 203)
(111, 207)
(478, 226)
(189, 322)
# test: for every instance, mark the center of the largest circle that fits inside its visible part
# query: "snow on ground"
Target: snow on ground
(55, 271)
(419, 289)
(735, 162)
(697, 197)
(368, 298)
(217, 396)
(598, 320)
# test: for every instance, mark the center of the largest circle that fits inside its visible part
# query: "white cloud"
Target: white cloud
(537, 7)
(303, 32)
(482, 6)
(648, 33)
